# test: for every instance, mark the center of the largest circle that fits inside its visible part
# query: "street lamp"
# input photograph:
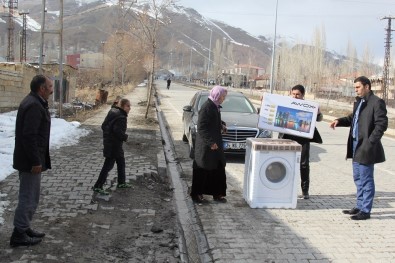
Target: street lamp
(274, 51)
(209, 56)
(102, 68)
(190, 67)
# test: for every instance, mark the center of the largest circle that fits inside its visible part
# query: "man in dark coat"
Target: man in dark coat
(368, 123)
(114, 134)
(31, 157)
(298, 92)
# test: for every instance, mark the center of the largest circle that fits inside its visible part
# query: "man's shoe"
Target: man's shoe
(305, 195)
(124, 185)
(22, 239)
(31, 233)
(100, 190)
(353, 211)
(361, 216)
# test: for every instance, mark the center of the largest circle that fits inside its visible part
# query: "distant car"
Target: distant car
(237, 111)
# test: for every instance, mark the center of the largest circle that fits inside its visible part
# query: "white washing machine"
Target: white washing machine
(271, 173)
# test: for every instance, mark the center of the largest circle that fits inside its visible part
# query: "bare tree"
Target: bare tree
(367, 68)
(319, 44)
(148, 24)
(352, 55)
(124, 55)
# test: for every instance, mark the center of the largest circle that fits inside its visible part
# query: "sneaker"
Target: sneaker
(124, 185)
(100, 190)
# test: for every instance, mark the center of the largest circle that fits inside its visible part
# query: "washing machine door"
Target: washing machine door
(276, 173)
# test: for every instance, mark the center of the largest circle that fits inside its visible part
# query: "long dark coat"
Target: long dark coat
(209, 132)
(32, 133)
(372, 123)
(114, 133)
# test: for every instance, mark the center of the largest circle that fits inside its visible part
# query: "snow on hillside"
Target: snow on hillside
(31, 24)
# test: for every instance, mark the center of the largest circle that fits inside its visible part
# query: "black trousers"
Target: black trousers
(107, 167)
(305, 167)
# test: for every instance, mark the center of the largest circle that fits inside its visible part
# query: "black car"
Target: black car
(237, 111)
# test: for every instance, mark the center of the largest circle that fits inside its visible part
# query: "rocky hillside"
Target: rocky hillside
(89, 22)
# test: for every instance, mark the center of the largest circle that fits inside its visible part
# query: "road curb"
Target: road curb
(193, 242)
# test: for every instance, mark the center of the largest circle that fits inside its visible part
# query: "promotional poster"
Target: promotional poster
(288, 115)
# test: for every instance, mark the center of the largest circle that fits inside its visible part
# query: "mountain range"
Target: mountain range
(188, 39)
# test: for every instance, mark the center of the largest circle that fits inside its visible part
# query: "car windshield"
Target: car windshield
(232, 104)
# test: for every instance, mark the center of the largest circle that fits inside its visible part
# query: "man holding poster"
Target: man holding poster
(298, 92)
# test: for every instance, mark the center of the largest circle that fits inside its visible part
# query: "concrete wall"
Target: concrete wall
(14, 84)
(15, 81)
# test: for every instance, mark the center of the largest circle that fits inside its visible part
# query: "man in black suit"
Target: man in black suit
(368, 123)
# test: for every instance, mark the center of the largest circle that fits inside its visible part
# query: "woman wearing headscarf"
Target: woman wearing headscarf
(209, 164)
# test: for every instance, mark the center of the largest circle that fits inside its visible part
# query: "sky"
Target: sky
(63, 133)
(344, 21)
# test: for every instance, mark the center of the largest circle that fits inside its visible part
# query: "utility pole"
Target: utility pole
(278, 74)
(12, 5)
(23, 37)
(58, 31)
(102, 65)
(190, 67)
(273, 51)
(386, 69)
(209, 57)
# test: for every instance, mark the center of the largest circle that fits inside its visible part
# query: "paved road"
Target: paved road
(316, 231)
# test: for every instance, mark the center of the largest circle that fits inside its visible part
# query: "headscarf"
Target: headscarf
(216, 92)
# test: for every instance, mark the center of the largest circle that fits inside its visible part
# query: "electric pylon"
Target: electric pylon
(11, 5)
(385, 85)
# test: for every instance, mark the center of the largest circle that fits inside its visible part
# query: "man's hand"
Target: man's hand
(36, 169)
(214, 147)
(334, 124)
(224, 129)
